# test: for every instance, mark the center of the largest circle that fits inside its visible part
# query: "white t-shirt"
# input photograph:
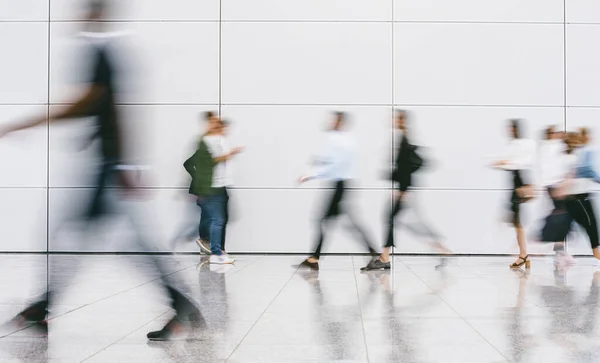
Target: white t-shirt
(221, 172)
(519, 154)
(551, 162)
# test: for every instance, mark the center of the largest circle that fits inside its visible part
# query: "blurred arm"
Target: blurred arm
(588, 170)
(83, 106)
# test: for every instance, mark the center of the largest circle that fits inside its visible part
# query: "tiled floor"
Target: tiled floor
(470, 310)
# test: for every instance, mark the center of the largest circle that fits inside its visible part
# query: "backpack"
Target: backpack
(416, 161)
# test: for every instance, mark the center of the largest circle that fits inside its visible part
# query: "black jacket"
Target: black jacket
(402, 173)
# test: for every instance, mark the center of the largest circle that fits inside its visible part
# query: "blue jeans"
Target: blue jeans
(204, 227)
(213, 209)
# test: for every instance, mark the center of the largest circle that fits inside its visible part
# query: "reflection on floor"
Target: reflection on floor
(466, 309)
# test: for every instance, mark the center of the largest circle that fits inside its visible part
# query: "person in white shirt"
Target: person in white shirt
(228, 181)
(518, 159)
(553, 173)
(221, 154)
(335, 166)
(201, 233)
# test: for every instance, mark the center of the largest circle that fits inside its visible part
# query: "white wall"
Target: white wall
(276, 69)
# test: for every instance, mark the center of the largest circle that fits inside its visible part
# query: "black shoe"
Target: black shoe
(35, 313)
(188, 312)
(377, 264)
(443, 263)
(366, 268)
(173, 328)
(312, 265)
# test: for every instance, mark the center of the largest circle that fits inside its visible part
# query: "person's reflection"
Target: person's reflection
(27, 351)
(520, 341)
(561, 304)
(213, 293)
(401, 347)
(334, 320)
(586, 325)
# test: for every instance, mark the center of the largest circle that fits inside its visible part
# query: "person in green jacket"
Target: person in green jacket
(206, 167)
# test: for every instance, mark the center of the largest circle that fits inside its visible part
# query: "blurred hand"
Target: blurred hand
(499, 163)
(303, 179)
(3, 131)
(236, 150)
(126, 181)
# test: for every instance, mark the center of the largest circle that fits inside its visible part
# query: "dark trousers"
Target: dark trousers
(397, 207)
(333, 209)
(419, 227)
(559, 205)
(581, 209)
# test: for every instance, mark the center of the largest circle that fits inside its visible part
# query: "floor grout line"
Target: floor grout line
(125, 336)
(261, 315)
(362, 320)
(459, 315)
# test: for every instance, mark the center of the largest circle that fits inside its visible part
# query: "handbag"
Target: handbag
(416, 161)
(556, 227)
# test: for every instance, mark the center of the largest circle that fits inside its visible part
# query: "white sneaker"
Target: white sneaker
(221, 260)
(228, 255)
(204, 246)
(220, 269)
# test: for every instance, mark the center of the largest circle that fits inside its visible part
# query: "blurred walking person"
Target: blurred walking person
(98, 100)
(191, 230)
(407, 162)
(553, 153)
(335, 166)
(518, 159)
(228, 183)
(580, 205)
(208, 169)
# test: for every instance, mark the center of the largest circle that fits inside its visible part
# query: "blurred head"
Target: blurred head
(584, 134)
(514, 128)
(401, 116)
(572, 140)
(96, 10)
(224, 127)
(213, 124)
(339, 121)
(549, 133)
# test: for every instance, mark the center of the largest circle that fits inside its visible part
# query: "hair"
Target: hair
(548, 132)
(515, 125)
(225, 123)
(208, 115)
(340, 118)
(97, 7)
(572, 139)
(402, 112)
(584, 132)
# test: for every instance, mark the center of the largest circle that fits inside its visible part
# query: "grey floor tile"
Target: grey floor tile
(425, 309)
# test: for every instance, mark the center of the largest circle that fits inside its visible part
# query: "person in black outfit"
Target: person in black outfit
(406, 163)
(98, 101)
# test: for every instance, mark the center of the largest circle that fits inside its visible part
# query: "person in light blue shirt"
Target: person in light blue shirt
(580, 205)
(585, 168)
(335, 165)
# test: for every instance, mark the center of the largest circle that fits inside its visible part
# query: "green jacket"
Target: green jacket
(200, 167)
